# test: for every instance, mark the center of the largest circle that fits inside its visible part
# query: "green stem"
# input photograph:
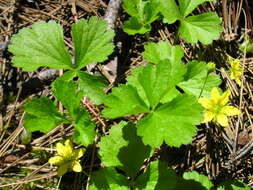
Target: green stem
(203, 85)
(132, 184)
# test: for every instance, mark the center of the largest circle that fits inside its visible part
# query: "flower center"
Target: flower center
(68, 158)
(217, 109)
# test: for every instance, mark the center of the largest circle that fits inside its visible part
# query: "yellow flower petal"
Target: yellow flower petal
(224, 98)
(76, 167)
(68, 147)
(230, 60)
(78, 153)
(60, 148)
(65, 151)
(206, 103)
(56, 160)
(68, 143)
(63, 169)
(238, 81)
(236, 70)
(230, 110)
(215, 94)
(222, 120)
(232, 76)
(208, 116)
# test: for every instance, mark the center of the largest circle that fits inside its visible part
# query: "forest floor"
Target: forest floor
(219, 154)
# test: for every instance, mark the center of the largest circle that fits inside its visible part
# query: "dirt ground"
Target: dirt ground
(218, 153)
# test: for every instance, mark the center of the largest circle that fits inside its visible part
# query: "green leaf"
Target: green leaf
(148, 85)
(84, 128)
(197, 80)
(203, 180)
(170, 95)
(171, 55)
(200, 87)
(133, 26)
(133, 7)
(40, 45)
(177, 72)
(92, 41)
(108, 179)
(124, 100)
(42, 115)
(133, 80)
(157, 52)
(170, 11)
(110, 145)
(233, 185)
(173, 122)
(67, 93)
(143, 14)
(187, 6)
(157, 177)
(204, 28)
(151, 11)
(93, 86)
(68, 76)
(123, 148)
(154, 81)
(196, 69)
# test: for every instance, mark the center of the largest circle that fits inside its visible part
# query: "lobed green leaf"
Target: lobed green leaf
(204, 28)
(124, 100)
(92, 86)
(92, 41)
(197, 81)
(170, 11)
(187, 6)
(124, 149)
(42, 115)
(143, 13)
(157, 177)
(108, 179)
(173, 122)
(133, 7)
(154, 81)
(84, 128)
(40, 45)
(203, 180)
(161, 51)
(133, 26)
(67, 93)
(233, 185)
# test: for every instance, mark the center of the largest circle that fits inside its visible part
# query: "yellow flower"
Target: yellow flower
(236, 70)
(67, 159)
(217, 108)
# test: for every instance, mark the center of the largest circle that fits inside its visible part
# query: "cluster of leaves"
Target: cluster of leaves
(165, 92)
(143, 13)
(123, 153)
(204, 27)
(43, 45)
(155, 90)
